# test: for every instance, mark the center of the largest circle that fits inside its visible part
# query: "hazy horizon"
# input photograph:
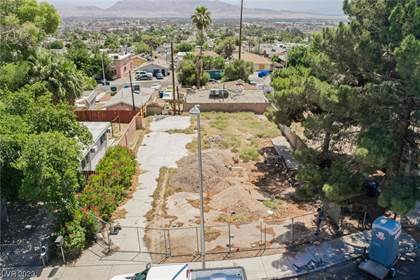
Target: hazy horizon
(327, 7)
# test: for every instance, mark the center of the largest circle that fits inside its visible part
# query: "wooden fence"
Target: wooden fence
(122, 116)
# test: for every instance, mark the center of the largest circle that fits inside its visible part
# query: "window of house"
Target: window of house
(103, 138)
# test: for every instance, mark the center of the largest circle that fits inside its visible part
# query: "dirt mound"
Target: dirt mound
(239, 199)
(216, 167)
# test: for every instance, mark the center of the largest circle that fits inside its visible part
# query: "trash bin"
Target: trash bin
(385, 239)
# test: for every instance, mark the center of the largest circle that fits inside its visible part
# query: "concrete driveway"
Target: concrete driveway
(159, 149)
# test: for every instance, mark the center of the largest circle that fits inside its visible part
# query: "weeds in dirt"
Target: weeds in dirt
(241, 133)
(273, 203)
(211, 234)
(238, 218)
(164, 173)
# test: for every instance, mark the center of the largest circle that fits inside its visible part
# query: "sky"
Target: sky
(327, 7)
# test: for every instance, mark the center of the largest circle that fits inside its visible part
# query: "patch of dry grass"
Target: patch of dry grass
(242, 133)
(238, 218)
(159, 198)
(212, 234)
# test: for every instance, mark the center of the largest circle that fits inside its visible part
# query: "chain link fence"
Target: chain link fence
(231, 237)
(15, 255)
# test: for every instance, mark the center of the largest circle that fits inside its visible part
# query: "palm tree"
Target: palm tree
(202, 20)
(58, 74)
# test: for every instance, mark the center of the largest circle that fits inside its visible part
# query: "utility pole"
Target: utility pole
(173, 75)
(103, 69)
(240, 30)
(132, 90)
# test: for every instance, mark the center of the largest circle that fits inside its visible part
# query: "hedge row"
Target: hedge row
(101, 196)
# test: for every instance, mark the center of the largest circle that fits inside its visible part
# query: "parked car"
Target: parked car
(159, 76)
(144, 74)
(264, 73)
(183, 272)
(143, 77)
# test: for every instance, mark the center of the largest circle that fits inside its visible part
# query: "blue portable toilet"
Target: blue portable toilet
(383, 247)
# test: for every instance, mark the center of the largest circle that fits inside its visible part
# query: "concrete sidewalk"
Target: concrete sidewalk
(331, 253)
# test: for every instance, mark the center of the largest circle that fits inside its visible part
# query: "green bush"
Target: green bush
(248, 154)
(74, 237)
(105, 190)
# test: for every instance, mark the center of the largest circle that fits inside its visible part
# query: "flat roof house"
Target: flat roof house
(121, 64)
(123, 100)
(227, 100)
(96, 151)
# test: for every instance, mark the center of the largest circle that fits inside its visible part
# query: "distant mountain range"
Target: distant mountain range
(175, 9)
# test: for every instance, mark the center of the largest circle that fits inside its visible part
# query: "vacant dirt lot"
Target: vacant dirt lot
(240, 189)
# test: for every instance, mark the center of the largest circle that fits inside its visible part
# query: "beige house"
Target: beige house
(123, 100)
(260, 62)
(137, 61)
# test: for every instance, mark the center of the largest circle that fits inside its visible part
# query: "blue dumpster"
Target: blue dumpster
(383, 247)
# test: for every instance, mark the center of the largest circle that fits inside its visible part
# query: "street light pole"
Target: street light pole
(196, 112)
(240, 30)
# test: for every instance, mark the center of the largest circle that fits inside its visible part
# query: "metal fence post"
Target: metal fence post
(138, 239)
(169, 244)
(196, 240)
(229, 238)
(261, 234)
(265, 236)
(293, 230)
(364, 221)
(166, 243)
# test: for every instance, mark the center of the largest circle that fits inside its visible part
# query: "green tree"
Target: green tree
(296, 56)
(238, 70)
(187, 74)
(141, 47)
(201, 19)
(56, 45)
(23, 25)
(14, 75)
(356, 93)
(184, 47)
(226, 47)
(49, 164)
(59, 75)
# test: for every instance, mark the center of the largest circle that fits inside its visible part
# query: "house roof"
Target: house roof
(96, 129)
(232, 85)
(118, 56)
(255, 58)
(158, 63)
(124, 97)
(235, 96)
(206, 53)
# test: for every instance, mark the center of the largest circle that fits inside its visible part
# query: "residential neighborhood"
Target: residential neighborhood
(227, 139)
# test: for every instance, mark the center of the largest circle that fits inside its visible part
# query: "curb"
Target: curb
(313, 270)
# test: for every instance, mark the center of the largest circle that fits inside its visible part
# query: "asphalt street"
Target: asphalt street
(408, 269)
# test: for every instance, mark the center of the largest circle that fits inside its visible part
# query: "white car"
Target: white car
(144, 73)
(175, 272)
